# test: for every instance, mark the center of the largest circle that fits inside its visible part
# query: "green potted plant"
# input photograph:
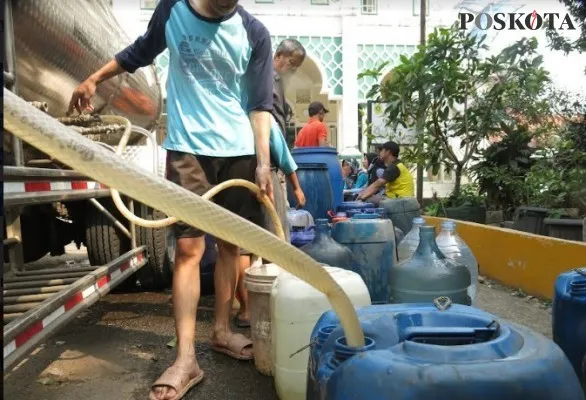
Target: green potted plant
(501, 170)
(557, 182)
(466, 205)
(527, 120)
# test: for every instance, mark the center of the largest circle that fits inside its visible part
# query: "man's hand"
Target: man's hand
(264, 181)
(81, 97)
(299, 198)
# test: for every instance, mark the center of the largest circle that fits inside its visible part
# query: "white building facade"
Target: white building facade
(342, 39)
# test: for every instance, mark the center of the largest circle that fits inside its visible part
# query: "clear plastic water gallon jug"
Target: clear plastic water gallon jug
(326, 250)
(295, 308)
(411, 240)
(429, 274)
(454, 247)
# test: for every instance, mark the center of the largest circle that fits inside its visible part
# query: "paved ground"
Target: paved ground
(118, 347)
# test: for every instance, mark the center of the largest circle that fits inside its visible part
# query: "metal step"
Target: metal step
(38, 303)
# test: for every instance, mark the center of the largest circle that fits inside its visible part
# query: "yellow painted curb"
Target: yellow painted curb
(518, 259)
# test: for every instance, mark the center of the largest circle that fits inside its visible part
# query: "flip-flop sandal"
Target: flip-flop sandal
(234, 347)
(241, 323)
(174, 378)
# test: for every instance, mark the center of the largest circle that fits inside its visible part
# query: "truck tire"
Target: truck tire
(103, 240)
(157, 273)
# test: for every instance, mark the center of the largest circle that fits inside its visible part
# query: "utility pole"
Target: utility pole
(422, 18)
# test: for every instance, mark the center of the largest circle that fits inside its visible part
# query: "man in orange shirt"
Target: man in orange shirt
(315, 132)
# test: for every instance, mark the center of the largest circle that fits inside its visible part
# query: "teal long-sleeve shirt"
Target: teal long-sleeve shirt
(362, 180)
(280, 154)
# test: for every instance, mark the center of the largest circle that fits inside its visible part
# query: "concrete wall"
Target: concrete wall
(518, 259)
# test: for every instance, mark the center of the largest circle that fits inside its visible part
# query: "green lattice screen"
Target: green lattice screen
(328, 51)
(372, 55)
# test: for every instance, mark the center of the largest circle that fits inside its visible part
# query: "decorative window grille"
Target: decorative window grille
(369, 7)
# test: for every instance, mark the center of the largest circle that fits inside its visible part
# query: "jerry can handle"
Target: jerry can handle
(447, 336)
(442, 303)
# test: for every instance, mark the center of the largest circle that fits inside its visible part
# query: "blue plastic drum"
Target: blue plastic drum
(329, 157)
(315, 183)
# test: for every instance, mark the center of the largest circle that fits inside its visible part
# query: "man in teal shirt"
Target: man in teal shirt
(219, 100)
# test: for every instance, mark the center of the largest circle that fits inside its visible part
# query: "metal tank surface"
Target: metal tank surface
(59, 44)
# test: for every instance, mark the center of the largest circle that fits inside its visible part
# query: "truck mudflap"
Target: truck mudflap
(62, 297)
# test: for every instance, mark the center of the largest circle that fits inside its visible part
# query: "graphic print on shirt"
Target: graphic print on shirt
(219, 71)
(211, 68)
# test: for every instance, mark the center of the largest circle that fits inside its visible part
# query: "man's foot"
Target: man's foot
(242, 320)
(175, 382)
(233, 344)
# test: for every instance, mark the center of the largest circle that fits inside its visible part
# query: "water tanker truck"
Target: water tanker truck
(50, 47)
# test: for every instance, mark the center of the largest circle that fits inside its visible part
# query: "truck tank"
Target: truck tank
(58, 44)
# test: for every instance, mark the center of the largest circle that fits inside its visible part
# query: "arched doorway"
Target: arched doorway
(307, 85)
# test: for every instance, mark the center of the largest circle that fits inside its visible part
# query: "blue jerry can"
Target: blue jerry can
(442, 351)
(372, 242)
(569, 316)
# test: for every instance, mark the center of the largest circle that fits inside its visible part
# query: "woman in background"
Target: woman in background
(362, 175)
(348, 175)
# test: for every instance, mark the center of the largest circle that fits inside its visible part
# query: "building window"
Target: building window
(368, 6)
(320, 2)
(148, 4)
(264, 1)
(417, 7)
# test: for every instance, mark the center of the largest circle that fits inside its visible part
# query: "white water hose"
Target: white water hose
(161, 223)
(89, 158)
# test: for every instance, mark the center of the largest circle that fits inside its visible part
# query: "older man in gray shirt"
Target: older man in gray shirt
(289, 56)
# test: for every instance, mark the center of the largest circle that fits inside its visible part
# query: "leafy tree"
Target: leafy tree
(503, 167)
(557, 178)
(577, 9)
(451, 94)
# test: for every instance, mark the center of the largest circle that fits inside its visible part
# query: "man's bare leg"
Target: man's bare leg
(223, 339)
(186, 292)
(241, 292)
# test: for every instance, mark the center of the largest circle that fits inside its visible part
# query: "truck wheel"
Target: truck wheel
(157, 273)
(103, 240)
